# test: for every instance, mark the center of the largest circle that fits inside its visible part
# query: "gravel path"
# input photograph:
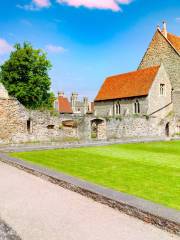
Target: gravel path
(39, 210)
(7, 233)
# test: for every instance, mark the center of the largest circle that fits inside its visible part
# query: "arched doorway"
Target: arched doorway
(167, 129)
(98, 129)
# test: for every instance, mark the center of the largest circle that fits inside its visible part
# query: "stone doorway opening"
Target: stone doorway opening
(98, 129)
(167, 130)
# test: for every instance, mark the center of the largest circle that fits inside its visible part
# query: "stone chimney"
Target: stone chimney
(61, 94)
(158, 28)
(164, 30)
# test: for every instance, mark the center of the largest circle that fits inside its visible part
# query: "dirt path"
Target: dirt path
(37, 209)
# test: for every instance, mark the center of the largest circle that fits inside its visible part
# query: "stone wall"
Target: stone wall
(133, 127)
(137, 127)
(155, 100)
(13, 117)
(107, 108)
(160, 51)
(17, 124)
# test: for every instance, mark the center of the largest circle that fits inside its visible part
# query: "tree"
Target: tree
(25, 76)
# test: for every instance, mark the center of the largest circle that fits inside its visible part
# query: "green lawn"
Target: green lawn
(147, 170)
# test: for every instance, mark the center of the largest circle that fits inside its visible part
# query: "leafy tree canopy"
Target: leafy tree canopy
(25, 76)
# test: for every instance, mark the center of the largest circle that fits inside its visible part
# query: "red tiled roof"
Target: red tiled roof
(174, 40)
(126, 85)
(64, 105)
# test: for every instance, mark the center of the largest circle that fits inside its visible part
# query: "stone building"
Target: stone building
(152, 91)
(165, 48)
(79, 107)
(143, 92)
(62, 104)
(74, 106)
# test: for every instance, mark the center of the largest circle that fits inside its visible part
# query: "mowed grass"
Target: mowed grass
(147, 170)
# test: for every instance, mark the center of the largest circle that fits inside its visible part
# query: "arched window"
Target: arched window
(117, 109)
(137, 107)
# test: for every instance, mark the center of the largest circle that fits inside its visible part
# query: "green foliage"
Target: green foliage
(147, 170)
(25, 76)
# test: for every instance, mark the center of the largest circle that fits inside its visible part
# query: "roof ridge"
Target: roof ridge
(173, 35)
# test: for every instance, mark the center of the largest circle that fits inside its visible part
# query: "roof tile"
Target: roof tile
(174, 40)
(127, 85)
(64, 105)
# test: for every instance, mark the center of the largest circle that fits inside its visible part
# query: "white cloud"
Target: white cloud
(35, 5)
(42, 3)
(55, 49)
(113, 5)
(5, 47)
(28, 7)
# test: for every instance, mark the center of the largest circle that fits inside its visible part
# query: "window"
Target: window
(162, 89)
(50, 127)
(137, 107)
(29, 126)
(117, 109)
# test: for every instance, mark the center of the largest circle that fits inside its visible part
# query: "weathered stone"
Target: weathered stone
(161, 51)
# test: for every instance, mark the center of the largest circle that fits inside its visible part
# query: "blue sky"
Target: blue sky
(88, 42)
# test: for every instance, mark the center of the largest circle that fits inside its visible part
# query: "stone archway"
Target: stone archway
(167, 129)
(98, 129)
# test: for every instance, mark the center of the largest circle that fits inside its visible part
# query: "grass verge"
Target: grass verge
(147, 170)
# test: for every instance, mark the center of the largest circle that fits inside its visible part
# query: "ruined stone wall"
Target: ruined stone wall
(18, 125)
(13, 117)
(43, 126)
(136, 127)
(131, 127)
(160, 51)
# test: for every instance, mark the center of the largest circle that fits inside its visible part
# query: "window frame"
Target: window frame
(137, 108)
(117, 109)
(162, 89)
